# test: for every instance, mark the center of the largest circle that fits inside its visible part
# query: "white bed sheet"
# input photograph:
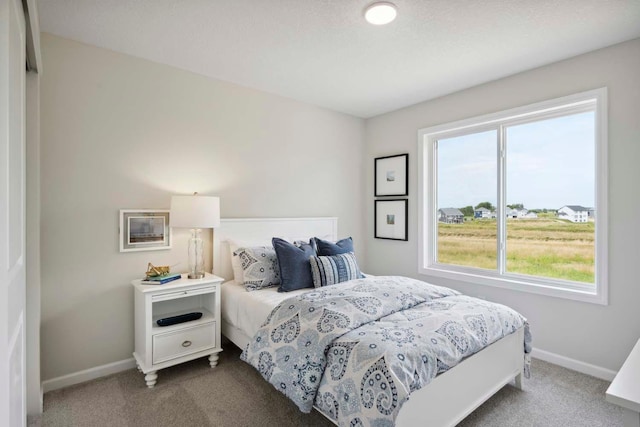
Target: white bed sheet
(247, 311)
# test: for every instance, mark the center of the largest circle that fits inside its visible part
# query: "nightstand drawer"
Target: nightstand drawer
(183, 294)
(185, 341)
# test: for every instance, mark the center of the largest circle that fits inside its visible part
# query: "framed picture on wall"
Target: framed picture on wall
(390, 219)
(391, 175)
(144, 230)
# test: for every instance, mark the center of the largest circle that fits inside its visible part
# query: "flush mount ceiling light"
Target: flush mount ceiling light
(380, 13)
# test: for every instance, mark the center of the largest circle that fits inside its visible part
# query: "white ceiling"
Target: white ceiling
(323, 52)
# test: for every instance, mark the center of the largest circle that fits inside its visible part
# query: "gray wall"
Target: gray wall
(594, 334)
(120, 132)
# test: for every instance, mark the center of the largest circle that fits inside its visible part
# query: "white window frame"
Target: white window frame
(427, 190)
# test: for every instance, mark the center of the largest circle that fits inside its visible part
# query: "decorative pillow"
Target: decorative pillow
(326, 248)
(329, 248)
(259, 267)
(236, 265)
(329, 270)
(293, 261)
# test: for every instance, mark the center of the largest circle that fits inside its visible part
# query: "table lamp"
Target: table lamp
(195, 212)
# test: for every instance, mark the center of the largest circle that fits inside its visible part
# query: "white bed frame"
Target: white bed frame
(451, 396)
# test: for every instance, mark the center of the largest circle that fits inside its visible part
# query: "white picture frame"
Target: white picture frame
(144, 230)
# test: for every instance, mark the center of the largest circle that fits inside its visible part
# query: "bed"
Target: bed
(445, 401)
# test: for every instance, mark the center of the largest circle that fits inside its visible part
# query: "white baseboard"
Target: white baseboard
(123, 365)
(88, 374)
(574, 365)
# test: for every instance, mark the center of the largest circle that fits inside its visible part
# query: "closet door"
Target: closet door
(12, 214)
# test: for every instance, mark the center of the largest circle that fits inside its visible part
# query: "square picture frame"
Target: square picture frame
(391, 219)
(391, 175)
(144, 230)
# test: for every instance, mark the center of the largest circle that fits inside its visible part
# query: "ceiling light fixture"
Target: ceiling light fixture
(380, 13)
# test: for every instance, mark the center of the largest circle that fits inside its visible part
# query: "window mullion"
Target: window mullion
(434, 203)
(501, 219)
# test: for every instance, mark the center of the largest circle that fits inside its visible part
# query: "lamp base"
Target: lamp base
(196, 276)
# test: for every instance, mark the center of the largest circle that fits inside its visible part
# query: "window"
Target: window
(517, 199)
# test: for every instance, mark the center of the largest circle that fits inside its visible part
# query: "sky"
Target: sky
(549, 164)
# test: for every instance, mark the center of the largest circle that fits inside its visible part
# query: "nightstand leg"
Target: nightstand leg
(139, 368)
(151, 378)
(213, 360)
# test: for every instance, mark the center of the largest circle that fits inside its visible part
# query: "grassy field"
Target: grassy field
(547, 247)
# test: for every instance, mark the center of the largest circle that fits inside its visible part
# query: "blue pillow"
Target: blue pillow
(333, 269)
(326, 248)
(293, 261)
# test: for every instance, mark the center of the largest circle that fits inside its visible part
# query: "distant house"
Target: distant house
(520, 213)
(574, 213)
(592, 213)
(511, 213)
(450, 216)
(482, 213)
(525, 214)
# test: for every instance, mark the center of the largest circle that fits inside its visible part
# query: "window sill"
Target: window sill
(518, 283)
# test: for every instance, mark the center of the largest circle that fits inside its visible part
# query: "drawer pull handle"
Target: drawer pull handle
(186, 343)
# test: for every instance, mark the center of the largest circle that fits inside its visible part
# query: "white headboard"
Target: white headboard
(263, 229)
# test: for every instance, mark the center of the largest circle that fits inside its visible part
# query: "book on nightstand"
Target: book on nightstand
(161, 280)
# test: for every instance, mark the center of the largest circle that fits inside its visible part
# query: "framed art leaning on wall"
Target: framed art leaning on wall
(144, 230)
(390, 219)
(391, 175)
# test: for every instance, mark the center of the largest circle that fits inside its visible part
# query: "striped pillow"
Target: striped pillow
(329, 270)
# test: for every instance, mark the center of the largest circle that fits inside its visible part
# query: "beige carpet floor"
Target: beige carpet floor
(234, 394)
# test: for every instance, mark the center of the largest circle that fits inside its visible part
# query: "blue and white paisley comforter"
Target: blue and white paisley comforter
(359, 348)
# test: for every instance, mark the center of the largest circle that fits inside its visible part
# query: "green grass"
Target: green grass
(547, 247)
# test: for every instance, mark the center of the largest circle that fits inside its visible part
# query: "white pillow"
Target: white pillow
(238, 276)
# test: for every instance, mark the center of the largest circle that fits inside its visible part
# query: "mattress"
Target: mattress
(247, 311)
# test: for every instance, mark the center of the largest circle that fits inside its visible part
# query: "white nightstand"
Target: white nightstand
(159, 347)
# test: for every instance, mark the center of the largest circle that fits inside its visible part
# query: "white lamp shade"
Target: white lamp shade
(195, 212)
